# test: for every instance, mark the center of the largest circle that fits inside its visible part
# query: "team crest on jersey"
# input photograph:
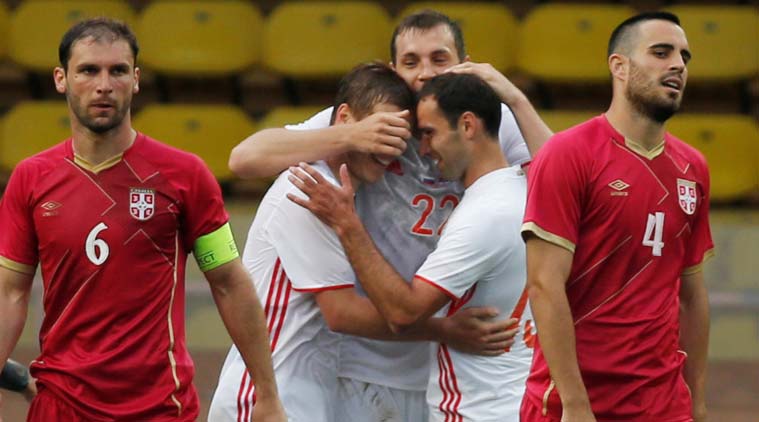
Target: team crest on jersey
(141, 203)
(686, 195)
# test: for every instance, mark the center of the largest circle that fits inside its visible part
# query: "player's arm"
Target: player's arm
(534, 130)
(15, 288)
(548, 267)
(241, 311)
(268, 152)
(694, 337)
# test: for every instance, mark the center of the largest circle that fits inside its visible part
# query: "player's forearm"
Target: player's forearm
(694, 338)
(557, 340)
(269, 151)
(392, 296)
(243, 316)
(534, 130)
(15, 289)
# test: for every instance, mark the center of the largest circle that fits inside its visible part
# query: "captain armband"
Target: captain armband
(14, 377)
(215, 249)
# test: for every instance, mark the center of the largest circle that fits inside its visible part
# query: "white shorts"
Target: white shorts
(359, 401)
(307, 388)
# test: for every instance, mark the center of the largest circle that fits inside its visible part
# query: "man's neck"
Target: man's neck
(487, 157)
(96, 148)
(334, 164)
(634, 126)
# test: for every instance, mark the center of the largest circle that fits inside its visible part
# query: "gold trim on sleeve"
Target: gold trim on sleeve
(700, 266)
(17, 266)
(548, 236)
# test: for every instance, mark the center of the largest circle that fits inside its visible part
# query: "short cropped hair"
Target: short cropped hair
(458, 93)
(425, 20)
(369, 84)
(622, 34)
(98, 28)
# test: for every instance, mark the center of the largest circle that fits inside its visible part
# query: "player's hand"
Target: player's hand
(332, 204)
(506, 90)
(473, 330)
(382, 133)
(699, 411)
(268, 411)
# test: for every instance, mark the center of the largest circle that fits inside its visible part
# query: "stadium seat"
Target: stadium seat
(734, 337)
(567, 42)
(724, 40)
(559, 120)
(730, 144)
(210, 131)
(31, 127)
(200, 37)
(324, 39)
(281, 116)
(37, 27)
(490, 30)
(4, 29)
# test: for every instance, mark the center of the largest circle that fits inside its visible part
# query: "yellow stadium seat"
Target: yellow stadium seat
(730, 144)
(318, 39)
(724, 40)
(559, 120)
(490, 30)
(31, 127)
(4, 27)
(734, 337)
(210, 131)
(37, 27)
(200, 37)
(281, 116)
(567, 42)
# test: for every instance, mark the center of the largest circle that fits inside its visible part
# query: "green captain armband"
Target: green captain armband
(215, 249)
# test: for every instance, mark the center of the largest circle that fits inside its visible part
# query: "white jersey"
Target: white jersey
(403, 213)
(480, 261)
(290, 254)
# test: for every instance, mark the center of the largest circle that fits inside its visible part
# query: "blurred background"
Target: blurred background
(215, 71)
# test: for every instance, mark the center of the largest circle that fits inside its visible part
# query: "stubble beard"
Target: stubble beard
(641, 95)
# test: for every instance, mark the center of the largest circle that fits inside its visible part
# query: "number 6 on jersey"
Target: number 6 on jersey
(97, 250)
(655, 226)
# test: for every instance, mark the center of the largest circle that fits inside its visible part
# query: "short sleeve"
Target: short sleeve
(310, 251)
(555, 193)
(701, 245)
(319, 120)
(510, 136)
(204, 206)
(465, 253)
(18, 242)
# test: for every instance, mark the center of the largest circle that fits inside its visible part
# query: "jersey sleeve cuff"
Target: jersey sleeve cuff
(530, 227)
(437, 286)
(17, 266)
(700, 266)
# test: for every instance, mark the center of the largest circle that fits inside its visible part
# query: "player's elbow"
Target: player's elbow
(400, 321)
(243, 163)
(336, 320)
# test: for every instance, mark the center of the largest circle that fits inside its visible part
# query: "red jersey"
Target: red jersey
(636, 220)
(112, 243)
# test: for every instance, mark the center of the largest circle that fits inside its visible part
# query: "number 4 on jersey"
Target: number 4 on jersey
(654, 231)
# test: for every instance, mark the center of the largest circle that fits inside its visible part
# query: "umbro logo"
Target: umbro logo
(50, 208)
(618, 187)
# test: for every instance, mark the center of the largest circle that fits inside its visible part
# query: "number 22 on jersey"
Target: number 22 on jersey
(429, 206)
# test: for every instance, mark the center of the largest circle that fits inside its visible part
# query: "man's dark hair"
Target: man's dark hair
(622, 34)
(99, 29)
(423, 21)
(369, 84)
(458, 93)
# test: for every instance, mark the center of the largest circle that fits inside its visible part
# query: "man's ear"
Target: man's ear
(344, 114)
(136, 87)
(469, 125)
(59, 77)
(619, 66)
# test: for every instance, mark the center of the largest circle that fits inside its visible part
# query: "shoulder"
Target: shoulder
(166, 156)
(319, 120)
(43, 161)
(686, 151)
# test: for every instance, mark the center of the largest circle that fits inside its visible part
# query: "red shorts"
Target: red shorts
(46, 407)
(529, 413)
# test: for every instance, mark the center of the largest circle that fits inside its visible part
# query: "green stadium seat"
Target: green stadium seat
(559, 120)
(490, 29)
(200, 37)
(210, 131)
(31, 127)
(37, 27)
(724, 40)
(324, 39)
(281, 116)
(567, 42)
(730, 144)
